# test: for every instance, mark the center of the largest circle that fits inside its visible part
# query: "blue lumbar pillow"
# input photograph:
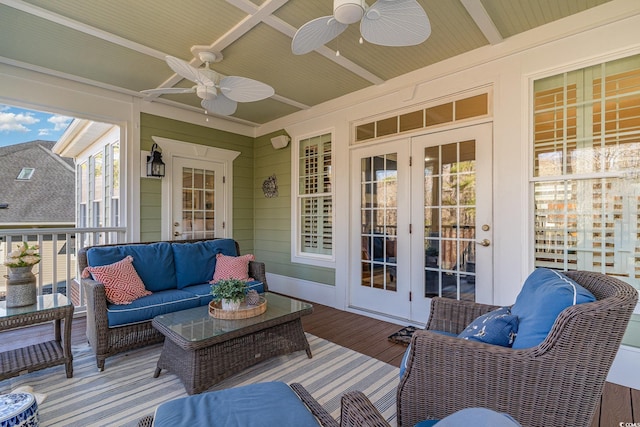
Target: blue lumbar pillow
(544, 295)
(497, 327)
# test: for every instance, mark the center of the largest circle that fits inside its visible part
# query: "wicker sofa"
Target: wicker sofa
(184, 267)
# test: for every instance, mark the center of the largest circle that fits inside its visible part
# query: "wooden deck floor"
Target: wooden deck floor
(367, 336)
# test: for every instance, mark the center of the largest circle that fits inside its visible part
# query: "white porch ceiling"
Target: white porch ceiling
(121, 44)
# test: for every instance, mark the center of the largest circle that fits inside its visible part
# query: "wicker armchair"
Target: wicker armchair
(106, 341)
(557, 383)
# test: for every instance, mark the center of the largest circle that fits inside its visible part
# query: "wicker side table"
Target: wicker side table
(49, 308)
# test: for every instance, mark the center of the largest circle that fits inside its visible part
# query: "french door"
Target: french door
(380, 279)
(422, 225)
(197, 199)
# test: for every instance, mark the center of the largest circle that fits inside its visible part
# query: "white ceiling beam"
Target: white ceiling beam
(483, 20)
(288, 30)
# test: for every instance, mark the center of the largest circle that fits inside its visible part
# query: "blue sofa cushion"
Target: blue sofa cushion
(196, 262)
(203, 290)
(260, 404)
(498, 327)
(544, 295)
(154, 262)
(146, 308)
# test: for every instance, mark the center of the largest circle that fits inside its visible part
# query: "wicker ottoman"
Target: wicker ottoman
(18, 410)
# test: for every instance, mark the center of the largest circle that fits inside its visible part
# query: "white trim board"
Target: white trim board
(624, 370)
(302, 289)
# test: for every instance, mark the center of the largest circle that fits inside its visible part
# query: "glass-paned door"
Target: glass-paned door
(380, 185)
(451, 214)
(198, 210)
(421, 222)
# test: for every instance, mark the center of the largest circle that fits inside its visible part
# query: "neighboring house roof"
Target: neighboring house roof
(48, 197)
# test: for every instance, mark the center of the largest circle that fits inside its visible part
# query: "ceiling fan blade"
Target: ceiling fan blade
(168, 90)
(242, 89)
(184, 69)
(220, 105)
(395, 23)
(315, 33)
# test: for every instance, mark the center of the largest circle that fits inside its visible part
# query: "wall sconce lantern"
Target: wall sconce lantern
(155, 165)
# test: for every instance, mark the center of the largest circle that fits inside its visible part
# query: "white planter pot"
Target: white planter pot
(230, 305)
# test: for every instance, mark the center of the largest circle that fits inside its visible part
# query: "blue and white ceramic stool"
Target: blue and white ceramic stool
(18, 410)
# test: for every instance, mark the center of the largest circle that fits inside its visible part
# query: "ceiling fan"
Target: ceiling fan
(220, 94)
(386, 23)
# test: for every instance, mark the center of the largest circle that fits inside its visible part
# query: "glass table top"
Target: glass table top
(196, 324)
(44, 302)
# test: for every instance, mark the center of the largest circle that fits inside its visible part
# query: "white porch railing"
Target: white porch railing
(58, 269)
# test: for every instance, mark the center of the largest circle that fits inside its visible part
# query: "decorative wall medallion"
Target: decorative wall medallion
(270, 186)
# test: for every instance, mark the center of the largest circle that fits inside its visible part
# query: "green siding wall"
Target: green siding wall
(150, 189)
(261, 225)
(273, 216)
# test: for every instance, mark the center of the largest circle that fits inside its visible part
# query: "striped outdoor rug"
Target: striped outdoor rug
(126, 390)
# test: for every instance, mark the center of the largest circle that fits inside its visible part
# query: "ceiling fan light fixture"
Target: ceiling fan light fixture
(206, 92)
(348, 11)
(208, 56)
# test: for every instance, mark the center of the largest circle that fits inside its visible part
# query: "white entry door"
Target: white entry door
(198, 200)
(421, 222)
(451, 216)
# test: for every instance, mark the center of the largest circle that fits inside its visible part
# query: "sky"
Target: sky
(19, 125)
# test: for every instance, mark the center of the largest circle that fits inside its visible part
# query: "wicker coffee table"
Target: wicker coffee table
(202, 350)
(31, 358)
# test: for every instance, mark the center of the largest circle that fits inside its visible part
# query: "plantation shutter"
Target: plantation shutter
(315, 197)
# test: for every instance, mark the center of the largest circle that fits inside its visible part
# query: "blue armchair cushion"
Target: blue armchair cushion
(153, 262)
(259, 404)
(497, 327)
(196, 262)
(544, 295)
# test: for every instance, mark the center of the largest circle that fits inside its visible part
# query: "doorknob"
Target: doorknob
(484, 242)
(176, 233)
(175, 224)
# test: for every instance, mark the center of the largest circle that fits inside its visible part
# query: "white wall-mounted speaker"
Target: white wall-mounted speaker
(280, 141)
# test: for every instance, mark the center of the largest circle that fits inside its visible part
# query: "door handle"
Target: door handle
(484, 242)
(176, 233)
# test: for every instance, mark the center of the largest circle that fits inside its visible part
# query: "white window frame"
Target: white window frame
(105, 147)
(297, 255)
(563, 176)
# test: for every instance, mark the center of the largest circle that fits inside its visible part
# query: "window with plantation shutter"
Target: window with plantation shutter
(314, 198)
(586, 169)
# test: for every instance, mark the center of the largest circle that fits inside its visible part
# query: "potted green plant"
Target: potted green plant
(229, 292)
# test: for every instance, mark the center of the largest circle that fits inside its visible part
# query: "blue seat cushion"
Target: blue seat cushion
(196, 262)
(498, 327)
(153, 262)
(146, 308)
(405, 358)
(544, 295)
(203, 290)
(260, 404)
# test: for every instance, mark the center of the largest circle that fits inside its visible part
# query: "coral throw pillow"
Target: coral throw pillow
(120, 279)
(232, 267)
